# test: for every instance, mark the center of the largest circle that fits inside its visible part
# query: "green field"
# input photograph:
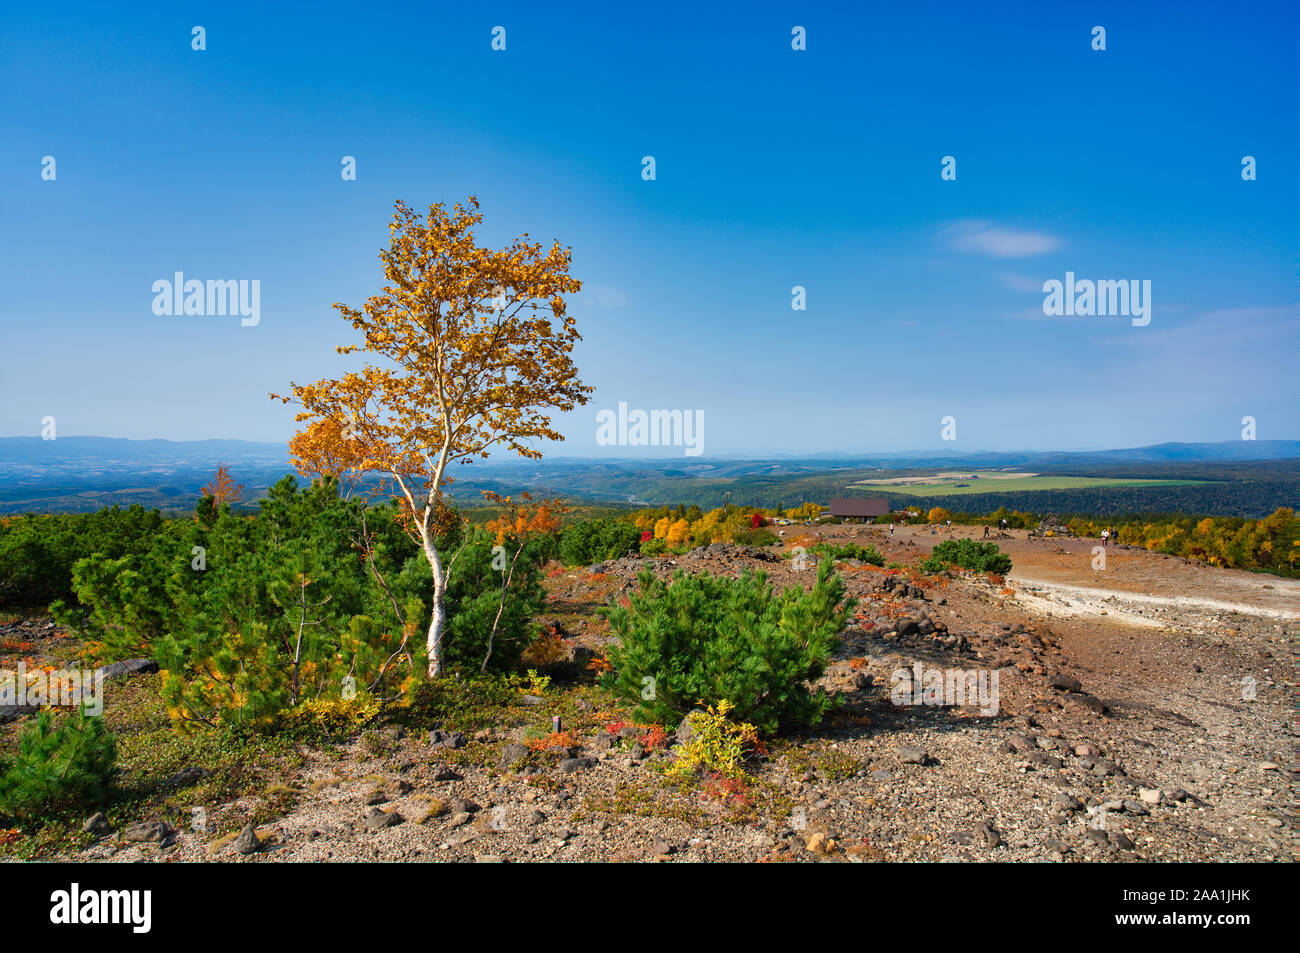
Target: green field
(1017, 484)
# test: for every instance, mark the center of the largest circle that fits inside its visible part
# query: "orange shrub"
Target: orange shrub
(556, 739)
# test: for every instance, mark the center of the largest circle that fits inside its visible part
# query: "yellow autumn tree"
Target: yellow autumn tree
(678, 533)
(519, 522)
(471, 351)
(329, 448)
(223, 488)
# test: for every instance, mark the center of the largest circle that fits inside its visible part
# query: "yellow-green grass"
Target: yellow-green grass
(949, 487)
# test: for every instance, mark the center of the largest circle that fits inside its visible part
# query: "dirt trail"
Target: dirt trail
(1081, 600)
(1063, 565)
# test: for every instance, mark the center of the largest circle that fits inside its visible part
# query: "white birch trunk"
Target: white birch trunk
(439, 609)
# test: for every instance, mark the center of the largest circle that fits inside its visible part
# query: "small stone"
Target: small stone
(1151, 796)
(910, 754)
(570, 765)
(463, 806)
(139, 666)
(377, 820)
(1067, 802)
(247, 842)
(147, 832)
(1090, 702)
(97, 824)
(988, 835)
(1065, 683)
(1046, 760)
(398, 787)
(513, 753)
(435, 810)
(187, 776)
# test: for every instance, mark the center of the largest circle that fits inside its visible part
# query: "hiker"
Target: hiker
(891, 529)
(986, 530)
(1105, 537)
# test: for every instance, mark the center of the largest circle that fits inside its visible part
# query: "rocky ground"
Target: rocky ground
(1142, 714)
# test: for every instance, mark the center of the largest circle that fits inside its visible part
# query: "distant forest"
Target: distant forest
(1250, 490)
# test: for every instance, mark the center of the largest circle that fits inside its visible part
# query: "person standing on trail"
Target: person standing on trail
(891, 529)
(1105, 537)
(986, 530)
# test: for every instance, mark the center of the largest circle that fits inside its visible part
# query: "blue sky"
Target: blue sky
(775, 168)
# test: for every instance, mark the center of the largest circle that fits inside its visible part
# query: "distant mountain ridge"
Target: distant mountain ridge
(36, 451)
(105, 450)
(86, 473)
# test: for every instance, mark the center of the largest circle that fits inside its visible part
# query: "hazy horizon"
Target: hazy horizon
(674, 454)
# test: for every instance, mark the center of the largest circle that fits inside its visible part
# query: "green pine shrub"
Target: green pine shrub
(702, 640)
(37, 551)
(755, 537)
(57, 766)
(288, 606)
(866, 554)
(595, 540)
(968, 554)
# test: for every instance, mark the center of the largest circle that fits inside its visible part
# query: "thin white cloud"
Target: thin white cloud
(1021, 283)
(1260, 329)
(997, 241)
(597, 296)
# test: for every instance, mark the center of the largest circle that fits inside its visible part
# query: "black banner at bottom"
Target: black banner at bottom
(139, 903)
